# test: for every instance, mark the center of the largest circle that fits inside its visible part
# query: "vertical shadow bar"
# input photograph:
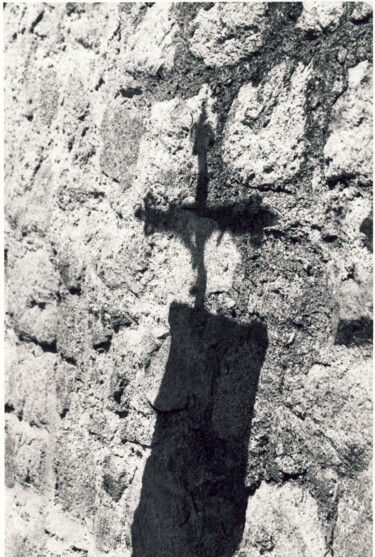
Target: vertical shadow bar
(193, 499)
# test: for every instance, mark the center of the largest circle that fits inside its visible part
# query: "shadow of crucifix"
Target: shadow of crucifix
(194, 496)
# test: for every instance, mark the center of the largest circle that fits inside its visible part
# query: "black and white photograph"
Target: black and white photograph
(187, 228)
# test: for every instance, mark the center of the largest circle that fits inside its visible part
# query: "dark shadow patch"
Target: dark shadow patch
(63, 413)
(68, 359)
(119, 389)
(367, 229)
(130, 92)
(113, 487)
(119, 321)
(37, 20)
(79, 550)
(246, 217)
(122, 413)
(354, 331)
(103, 345)
(75, 8)
(194, 497)
(75, 290)
(99, 84)
(50, 347)
(329, 237)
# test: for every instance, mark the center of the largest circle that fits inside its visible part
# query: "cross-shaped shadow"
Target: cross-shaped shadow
(194, 497)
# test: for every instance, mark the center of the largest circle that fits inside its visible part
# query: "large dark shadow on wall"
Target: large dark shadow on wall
(193, 500)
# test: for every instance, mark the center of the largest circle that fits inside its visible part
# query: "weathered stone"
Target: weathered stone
(72, 328)
(49, 98)
(151, 48)
(354, 517)
(28, 459)
(354, 301)
(52, 532)
(348, 151)
(30, 384)
(264, 134)
(284, 521)
(318, 16)
(94, 26)
(122, 263)
(361, 12)
(122, 132)
(118, 473)
(31, 213)
(166, 163)
(32, 296)
(24, 537)
(76, 470)
(65, 375)
(222, 259)
(329, 399)
(225, 33)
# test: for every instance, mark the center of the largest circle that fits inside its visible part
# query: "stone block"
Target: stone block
(264, 135)
(226, 33)
(348, 151)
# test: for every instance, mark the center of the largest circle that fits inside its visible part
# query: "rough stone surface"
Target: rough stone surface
(152, 46)
(223, 36)
(318, 16)
(348, 150)
(33, 286)
(354, 517)
(188, 267)
(361, 12)
(282, 521)
(264, 135)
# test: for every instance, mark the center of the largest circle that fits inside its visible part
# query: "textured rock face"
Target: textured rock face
(223, 36)
(348, 151)
(152, 47)
(188, 264)
(264, 136)
(282, 521)
(318, 16)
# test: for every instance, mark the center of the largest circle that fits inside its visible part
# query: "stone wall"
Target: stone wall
(188, 266)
